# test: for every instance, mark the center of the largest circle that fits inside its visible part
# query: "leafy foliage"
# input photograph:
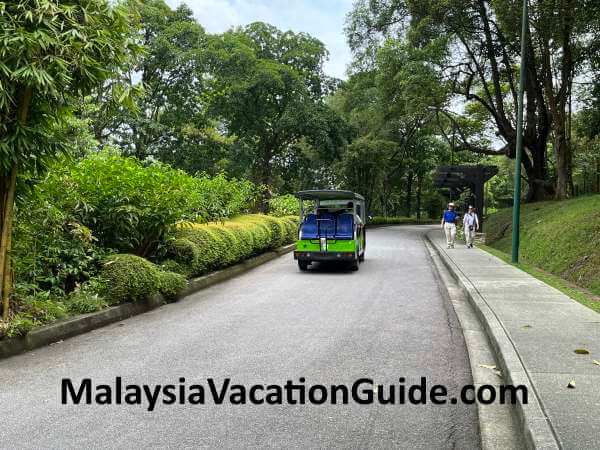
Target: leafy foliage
(268, 88)
(48, 51)
(200, 248)
(87, 298)
(473, 49)
(284, 205)
(131, 278)
(114, 202)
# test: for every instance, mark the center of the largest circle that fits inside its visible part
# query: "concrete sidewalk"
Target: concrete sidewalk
(535, 330)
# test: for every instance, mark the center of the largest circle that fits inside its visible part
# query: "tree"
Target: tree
(586, 139)
(389, 103)
(48, 51)
(268, 89)
(482, 41)
(156, 108)
(363, 168)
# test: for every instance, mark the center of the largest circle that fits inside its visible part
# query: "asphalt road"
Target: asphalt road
(330, 326)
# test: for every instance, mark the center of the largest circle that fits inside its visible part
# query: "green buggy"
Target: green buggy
(332, 227)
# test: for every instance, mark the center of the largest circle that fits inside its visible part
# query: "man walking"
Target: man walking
(449, 224)
(471, 225)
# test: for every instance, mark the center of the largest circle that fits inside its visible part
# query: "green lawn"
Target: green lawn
(560, 244)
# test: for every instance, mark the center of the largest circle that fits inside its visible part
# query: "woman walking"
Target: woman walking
(471, 225)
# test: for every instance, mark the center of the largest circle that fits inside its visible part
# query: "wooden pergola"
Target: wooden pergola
(458, 179)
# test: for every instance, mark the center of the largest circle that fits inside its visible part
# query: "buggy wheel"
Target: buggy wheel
(303, 265)
(355, 265)
(361, 258)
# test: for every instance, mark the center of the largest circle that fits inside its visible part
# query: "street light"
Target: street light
(519, 149)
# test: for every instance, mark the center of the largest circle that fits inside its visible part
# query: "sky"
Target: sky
(323, 19)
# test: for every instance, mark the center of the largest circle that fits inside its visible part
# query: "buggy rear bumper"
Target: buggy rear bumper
(324, 256)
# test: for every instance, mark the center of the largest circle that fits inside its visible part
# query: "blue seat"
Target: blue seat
(326, 225)
(309, 227)
(345, 226)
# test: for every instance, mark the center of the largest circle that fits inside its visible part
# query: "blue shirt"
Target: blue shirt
(449, 216)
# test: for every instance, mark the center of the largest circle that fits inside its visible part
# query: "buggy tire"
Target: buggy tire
(303, 265)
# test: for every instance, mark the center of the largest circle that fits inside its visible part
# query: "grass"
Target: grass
(578, 294)
(560, 244)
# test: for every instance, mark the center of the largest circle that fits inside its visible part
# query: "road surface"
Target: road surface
(274, 323)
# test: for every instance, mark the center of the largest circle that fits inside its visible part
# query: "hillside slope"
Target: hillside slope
(562, 238)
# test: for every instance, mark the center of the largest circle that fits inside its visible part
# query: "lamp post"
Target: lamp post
(519, 149)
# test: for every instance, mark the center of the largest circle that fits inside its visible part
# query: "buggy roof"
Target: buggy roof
(328, 194)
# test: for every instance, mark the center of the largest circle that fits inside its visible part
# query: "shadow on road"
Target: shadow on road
(330, 267)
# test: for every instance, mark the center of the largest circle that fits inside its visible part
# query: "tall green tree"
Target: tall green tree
(49, 52)
(157, 107)
(268, 89)
(390, 104)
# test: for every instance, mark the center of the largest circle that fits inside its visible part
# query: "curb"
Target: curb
(536, 427)
(67, 328)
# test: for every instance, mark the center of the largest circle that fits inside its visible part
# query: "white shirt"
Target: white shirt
(471, 219)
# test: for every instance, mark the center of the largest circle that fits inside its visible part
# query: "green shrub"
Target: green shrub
(52, 250)
(42, 308)
(278, 231)
(170, 265)
(210, 247)
(170, 284)
(262, 234)
(184, 252)
(245, 239)
(34, 310)
(200, 248)
(84, 303)
(126, 205)
(87, 298)
(291, 224)
(130, 278)
(20, 325)
(284, 205)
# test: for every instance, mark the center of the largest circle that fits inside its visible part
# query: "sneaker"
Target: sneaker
(452, 246)
(448, 246)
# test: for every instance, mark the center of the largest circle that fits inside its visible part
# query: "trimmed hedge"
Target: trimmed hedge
(132, 278)
(194, 250)
(200, 248)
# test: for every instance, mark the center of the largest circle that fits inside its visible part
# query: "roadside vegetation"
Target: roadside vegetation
(135, 142)
(107, 229)
(560, 238)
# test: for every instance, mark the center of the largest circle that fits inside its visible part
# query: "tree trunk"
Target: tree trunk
(598, 176)
(7, 196)
(561, 153)
(5, 240)
(419, 188)
(264, 178)
(409, 183)
(539, 186)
